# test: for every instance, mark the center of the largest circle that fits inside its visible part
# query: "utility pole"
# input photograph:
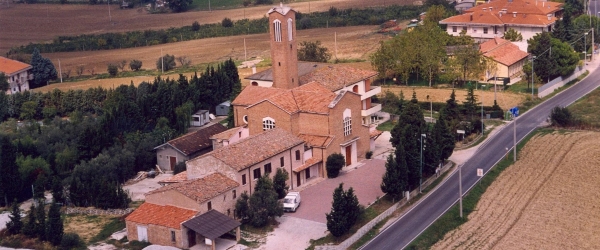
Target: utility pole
(109, 16)
(162, 62)
(245, 55)
(515, 140)
(60, 70)
(335, 43)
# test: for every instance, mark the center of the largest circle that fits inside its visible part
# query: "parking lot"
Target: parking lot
(316, 200)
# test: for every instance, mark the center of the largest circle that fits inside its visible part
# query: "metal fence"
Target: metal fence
(558, 82)
(367, 227)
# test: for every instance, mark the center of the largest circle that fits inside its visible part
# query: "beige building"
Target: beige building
(492, 19)
(186, 146)
(509, 59)
(17, 73)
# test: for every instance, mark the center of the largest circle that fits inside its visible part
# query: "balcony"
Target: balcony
(373, 91)
(375, 107)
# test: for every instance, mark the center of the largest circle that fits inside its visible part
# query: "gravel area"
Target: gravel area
(138, 190)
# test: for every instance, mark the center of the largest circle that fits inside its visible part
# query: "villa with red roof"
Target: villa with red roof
(508, 57)
(492, 19)
(17, 73)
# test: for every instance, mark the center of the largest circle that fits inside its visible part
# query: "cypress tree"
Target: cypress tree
(15, 224)
(29, 228)
(391, 184)
(54, 226)
(40, 225)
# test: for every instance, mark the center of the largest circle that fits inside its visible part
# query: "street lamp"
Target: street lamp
(585, 48)
(421, 168)
(532, 58)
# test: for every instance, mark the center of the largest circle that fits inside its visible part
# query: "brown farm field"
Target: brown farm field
(24, 23)
(548, 199)
(505, 100)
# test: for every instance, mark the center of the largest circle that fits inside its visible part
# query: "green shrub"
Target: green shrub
(227, 23)
(71, 241)
(334, 164)
(168, 61)
(369, 154)
(113, 70)
(195, 26)
(561, 117)
(135, 65)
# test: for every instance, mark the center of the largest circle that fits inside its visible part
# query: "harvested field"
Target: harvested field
(504, 99)
(353, 42)
(25, 23)
(548, 200)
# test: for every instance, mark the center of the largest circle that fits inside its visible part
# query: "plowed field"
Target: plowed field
(549, 199)
(24, 23)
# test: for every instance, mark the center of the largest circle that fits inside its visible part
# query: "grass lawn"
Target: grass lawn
(216, 4)
(587, 108)
(386, 126)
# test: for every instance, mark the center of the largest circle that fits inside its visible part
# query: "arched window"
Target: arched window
(355, 89)
(347, 122)
(290, 30)
(277, 30)
(245, 118)
(268, 123)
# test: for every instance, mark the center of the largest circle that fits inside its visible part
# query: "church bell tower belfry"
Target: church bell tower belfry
(284, 50)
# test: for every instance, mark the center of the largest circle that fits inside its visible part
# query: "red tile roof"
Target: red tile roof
(202, 189)
(194, 142)
(308, 163)
(528, 12)
(167, 216)
(320, 141)
(175, 178)
(225, 135)
(311, 98)
(502, 51)
(335, 77)
(375, 133)
(254, 149)
(10, 67)
(253, 94)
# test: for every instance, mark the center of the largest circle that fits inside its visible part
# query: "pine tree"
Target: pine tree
(29, 228)
(263, 203)
(15, 224)
(470, 104)
(452, 112)
(54, 226)
(447, 143)
(391, 184)
(279, 182)
(345, 211)
(40, 225)
(10, 179)
(42, 69)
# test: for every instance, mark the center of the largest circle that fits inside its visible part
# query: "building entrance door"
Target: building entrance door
(191, 238)
(349, 155)
(173, 161)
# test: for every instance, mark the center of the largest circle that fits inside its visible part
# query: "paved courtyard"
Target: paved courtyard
(316, 200)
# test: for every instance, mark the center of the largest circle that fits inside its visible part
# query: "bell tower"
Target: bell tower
(284, 50)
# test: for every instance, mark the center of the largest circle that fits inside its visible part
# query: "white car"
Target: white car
(291, 202)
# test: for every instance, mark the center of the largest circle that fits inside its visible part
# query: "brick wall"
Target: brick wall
(257, 112)
(284, 54)
(349, 101)
(173, 198)
(159, 235)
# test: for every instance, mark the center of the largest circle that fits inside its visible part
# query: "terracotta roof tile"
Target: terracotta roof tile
(175, 178)
(10, 67)
(225, 135)
(202, 189)
(502, 51)
(519, 6)
(320, 141)
(312, 98)
(308, 163)
(254, 149)
(528, 12)
(375, 133)
(194, 142)
(335, 77)
(167, 216)
(253, 94)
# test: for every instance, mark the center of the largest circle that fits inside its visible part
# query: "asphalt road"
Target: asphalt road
(436, 203)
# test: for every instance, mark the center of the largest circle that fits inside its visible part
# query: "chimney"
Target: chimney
(471, 17)
(543, 4)
(500, 13)
(491, 8)
(514, 14)
(484, 9)
(549, 16)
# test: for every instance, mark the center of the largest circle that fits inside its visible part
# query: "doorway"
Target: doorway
(349, 155)
(173, 162)
(191, 238)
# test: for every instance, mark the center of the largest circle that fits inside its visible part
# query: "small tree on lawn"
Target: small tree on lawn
(345, 210)
(135, 65)
(54, 226)
(15, 224)
(242, 210)
(279, 182)
(313, 52)
(112, 69)
(335, 162)
(168, 61)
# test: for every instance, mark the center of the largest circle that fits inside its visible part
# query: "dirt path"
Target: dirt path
(547, 200)
(25, 23)
(504, 99)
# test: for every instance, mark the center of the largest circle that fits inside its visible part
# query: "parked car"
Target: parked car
(291, 202)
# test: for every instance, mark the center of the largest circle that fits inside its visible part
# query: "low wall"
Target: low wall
(558, 82)
(367, 227)
(97, 211)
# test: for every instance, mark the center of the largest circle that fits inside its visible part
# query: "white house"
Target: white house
(492, 19)
(17, 73)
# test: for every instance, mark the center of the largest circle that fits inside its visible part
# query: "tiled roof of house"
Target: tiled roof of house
(253, 94)
(312, 98)
(502, 51)
(194, 142)
(254, 149)
(308, 163)
(202, 189)
(319, 141)
(375, 133)
(167, 216)
(335, 77)
(332, 76)
(517, 12)
(175, 178)
(225, 135)
(9, 66)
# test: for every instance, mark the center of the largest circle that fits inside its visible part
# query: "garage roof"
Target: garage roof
(211, 224)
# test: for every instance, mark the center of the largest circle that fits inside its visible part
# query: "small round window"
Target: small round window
(245, 119)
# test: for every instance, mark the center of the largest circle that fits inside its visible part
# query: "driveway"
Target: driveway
(316, 200)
